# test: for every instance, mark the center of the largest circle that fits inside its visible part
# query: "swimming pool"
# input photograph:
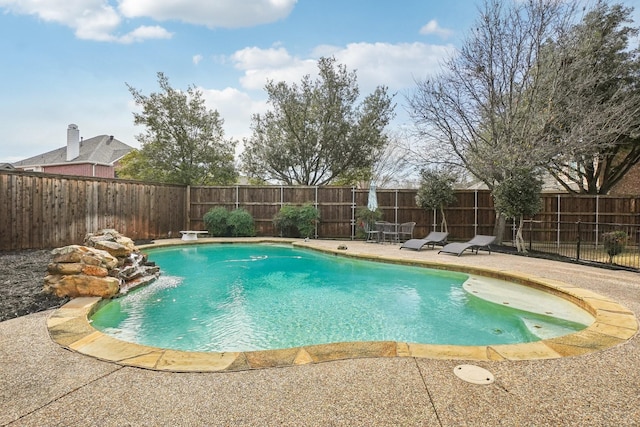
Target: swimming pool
(240, 297)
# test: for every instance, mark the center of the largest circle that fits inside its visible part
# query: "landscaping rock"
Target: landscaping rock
(114, 248)
(110, 264)
(81, 285)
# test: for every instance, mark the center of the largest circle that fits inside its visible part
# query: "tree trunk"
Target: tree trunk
(498, 228)
(520, 244)
(443, 223)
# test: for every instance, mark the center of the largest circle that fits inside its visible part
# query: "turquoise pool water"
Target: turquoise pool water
(242, 297)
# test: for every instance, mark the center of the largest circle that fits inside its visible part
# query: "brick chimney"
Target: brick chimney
(73, 142)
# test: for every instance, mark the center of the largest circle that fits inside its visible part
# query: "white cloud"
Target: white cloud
(196, 59)
(394, 65)
(432, 27)
(62, 11)
(235, 107)
(145, 33)
(99, 20)
(220, 13)
(260, 65)
(95, 24)
(90, 19)
(253, 57)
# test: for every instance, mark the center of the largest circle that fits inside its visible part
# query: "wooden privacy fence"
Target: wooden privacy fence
(472, 214)
(39, 211)
(46, 211)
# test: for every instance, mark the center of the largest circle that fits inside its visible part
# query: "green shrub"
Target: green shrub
(614, 243)
(222, 223)
(285, 220)
(241, 224)
(297, 221)
(366, 216)
(308, 217)
(216, 222)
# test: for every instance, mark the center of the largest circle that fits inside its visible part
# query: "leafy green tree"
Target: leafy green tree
(183, 142)
(135, 165)
(317, 131)
(518, 196)
(591, 97)
(436, 192)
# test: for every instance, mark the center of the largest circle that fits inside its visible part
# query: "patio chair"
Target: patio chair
(432, 239)
(390, 232)
(478, 242)
(379, 227)
(373, 235)
(405, 230)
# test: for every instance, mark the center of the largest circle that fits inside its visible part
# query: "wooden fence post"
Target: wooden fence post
(187, 213)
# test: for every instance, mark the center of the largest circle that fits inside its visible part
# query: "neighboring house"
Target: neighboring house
(549, 185)
(629, 185)
(97, 156)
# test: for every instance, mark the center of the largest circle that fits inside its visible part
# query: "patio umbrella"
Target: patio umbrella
(372, 204)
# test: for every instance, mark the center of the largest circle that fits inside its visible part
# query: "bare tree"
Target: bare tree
(481, 112)
(393, 167)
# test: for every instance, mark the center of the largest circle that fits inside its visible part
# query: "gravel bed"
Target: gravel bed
(21, 281)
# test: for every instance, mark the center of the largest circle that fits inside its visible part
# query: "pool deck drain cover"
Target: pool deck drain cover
(473, 374)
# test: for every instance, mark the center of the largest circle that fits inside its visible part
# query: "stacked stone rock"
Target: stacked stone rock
(108, 264)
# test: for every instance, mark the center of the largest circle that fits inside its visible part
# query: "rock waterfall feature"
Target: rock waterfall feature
(108, 264)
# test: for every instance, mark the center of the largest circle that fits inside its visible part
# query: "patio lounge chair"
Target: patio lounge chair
(478, 242)
(432, 239)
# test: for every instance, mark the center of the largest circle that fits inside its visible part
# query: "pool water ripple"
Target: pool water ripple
(240, 297)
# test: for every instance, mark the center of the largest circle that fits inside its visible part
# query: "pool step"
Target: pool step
(545, 330)
(525, 298)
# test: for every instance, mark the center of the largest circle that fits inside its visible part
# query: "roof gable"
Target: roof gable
(103, 149)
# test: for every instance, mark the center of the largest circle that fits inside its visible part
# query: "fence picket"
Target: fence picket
(46, 211)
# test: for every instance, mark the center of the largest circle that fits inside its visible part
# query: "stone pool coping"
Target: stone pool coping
(613, 325)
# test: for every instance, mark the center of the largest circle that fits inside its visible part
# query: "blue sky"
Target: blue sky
(67, 61)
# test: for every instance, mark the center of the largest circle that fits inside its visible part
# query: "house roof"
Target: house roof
(102, 149)
(549, 185)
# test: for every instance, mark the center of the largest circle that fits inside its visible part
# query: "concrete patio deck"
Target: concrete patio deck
(41, 383)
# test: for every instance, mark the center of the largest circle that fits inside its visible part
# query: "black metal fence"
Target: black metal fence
(584, 242)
